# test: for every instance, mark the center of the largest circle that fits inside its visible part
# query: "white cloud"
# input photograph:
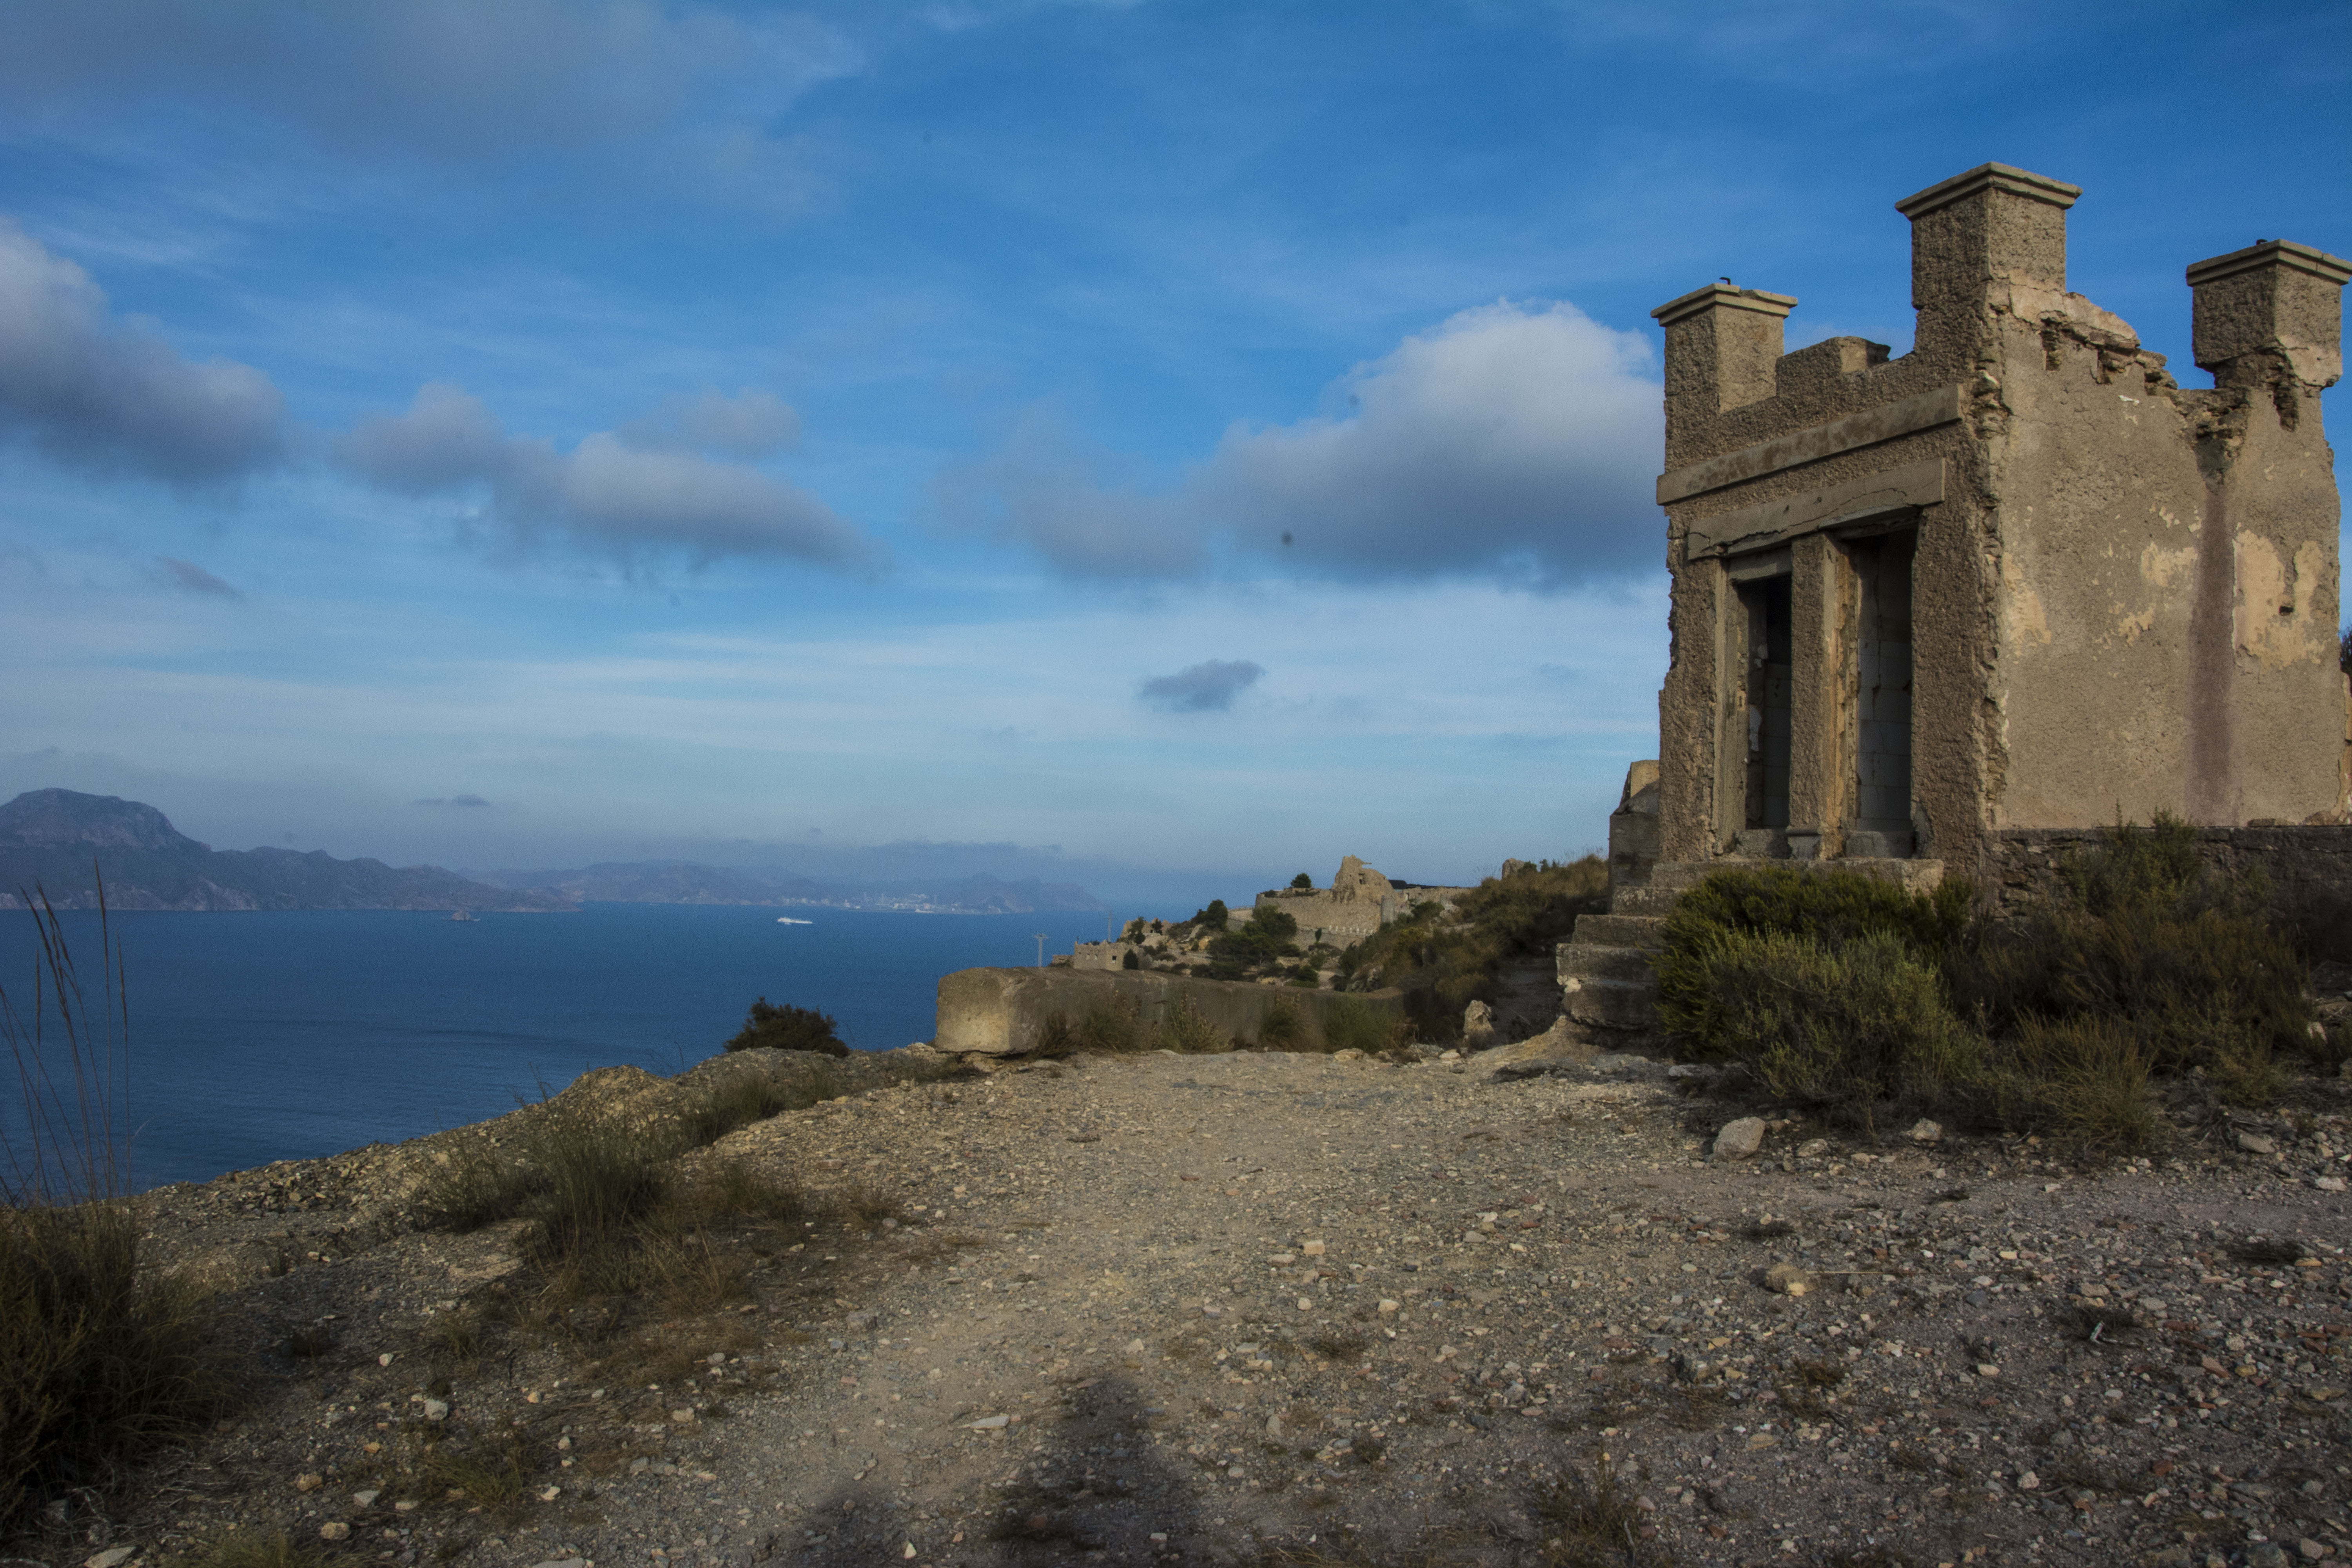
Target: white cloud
(107, 395)
(605, 494)
(1514, 441)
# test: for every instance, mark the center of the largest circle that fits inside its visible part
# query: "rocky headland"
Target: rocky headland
(53, 839)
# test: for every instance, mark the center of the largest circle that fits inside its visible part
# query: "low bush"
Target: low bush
(737, 1104)
(2060, 1020)
(1351, 1023)
(1287, 1027)
(1830, 909)
(788, 1028)
(2083, 1078)
(1848, 1027)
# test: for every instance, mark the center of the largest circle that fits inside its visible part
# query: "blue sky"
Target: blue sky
(1183, 438)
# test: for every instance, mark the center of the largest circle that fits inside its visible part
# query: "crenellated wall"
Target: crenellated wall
(2110, 595)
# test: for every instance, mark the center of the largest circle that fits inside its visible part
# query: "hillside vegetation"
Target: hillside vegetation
(1445, 959)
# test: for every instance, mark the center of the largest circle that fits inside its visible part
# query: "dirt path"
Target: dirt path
(1199, 1309)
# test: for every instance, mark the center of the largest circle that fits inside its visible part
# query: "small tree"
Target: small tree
(788, 1028)
(1302, 883)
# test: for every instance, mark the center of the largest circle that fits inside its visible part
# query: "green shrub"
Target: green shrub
(1302, 882)
(2081, 1077)
(1845, 1027)
(1186, 1032)
(1285, 1027)
(1352, 1024)
(1265, 938)
(788, 1028)
(1831, 908)
(2148, 936)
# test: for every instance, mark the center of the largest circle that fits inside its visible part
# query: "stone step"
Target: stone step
(1610, 1004)
(1620, 931)
(1617, 965)
(1646, 902)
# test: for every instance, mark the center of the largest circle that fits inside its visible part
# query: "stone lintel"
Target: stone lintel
(1923, 412)
(1776, 522)
(2005, 177)
(1723, 296)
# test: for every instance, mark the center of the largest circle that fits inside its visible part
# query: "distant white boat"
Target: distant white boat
(461, 915)
(788, 920)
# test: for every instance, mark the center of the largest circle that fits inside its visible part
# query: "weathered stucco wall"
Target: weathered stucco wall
(2124, 592)
(1001, 1012)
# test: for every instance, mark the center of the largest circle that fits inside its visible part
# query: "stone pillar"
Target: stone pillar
(1818, 755)
(2276, 299)
(1993, 227)
(1722, 344)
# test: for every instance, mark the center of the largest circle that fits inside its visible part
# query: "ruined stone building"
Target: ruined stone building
(2018, 581)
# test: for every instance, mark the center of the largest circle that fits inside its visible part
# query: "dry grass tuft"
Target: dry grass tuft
(98, 1357)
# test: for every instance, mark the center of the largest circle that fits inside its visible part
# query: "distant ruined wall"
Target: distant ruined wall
(1001, 1012)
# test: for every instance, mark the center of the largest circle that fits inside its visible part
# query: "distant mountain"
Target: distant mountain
(50, 837)
(684, 882)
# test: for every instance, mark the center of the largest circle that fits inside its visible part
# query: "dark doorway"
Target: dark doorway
(1766, 681)
(1881, 784)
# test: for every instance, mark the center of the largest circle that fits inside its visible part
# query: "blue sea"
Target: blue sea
(295, 1034)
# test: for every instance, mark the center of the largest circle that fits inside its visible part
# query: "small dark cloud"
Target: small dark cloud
(91, 391)
(187, 574)
(1205, 687)
(451, 800)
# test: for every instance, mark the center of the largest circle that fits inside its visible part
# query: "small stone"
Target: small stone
(551, 1494)
(1926, 1131)
(1387, 1305)
(682, 1415)
(405, 1505)
(1137, 1347)
(2255, 1144)
(1739, 1139)
(383, 1360)
(2028, 1482)
(992, 1423)
(717, 1358)
(309, 1483)
(367, 1499)
(2310, 1551)
(1311, 1248)
(1788, 1279)
(1986, 1369)
(2266, 1555)
(1274, 1427)
(113, 1557)
(1304, 1305)
(1813, 1147)
(436, 1410)
(2328, 1183)
(562, 1562)
(338, 1530)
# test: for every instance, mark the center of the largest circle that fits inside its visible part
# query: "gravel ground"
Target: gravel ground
(1208, 1309)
